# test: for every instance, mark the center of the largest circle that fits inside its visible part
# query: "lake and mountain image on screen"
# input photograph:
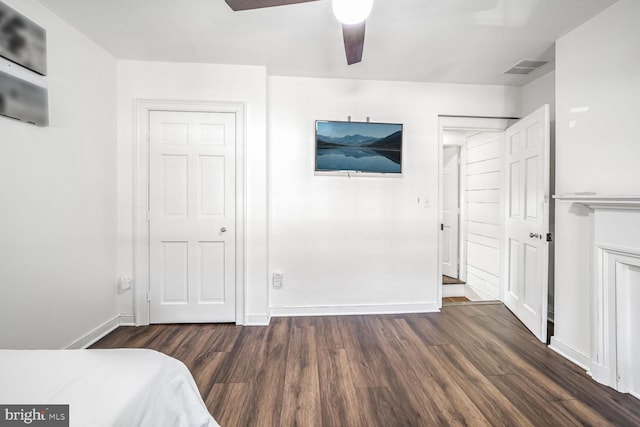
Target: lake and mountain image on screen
(360, 147)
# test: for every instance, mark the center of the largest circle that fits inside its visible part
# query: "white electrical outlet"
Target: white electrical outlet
(424, 202)
(278, 280)
(125, 283)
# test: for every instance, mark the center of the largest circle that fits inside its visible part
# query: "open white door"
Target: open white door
(450, 210)
(192, 217)
(527, 220)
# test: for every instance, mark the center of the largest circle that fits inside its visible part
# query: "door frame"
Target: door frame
(461, 123)
(141, 264)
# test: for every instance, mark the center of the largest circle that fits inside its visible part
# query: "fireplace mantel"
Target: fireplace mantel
(615, 277)
(597, 201)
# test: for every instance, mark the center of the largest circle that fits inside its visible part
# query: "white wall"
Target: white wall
(361, 244)
(539, 92)
(58, 199)
(199, 82)
(598, 105)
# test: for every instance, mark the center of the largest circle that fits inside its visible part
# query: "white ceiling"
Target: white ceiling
(456, 41)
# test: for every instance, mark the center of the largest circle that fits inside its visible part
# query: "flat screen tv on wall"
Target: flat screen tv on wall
(361, 147)
(22, 41)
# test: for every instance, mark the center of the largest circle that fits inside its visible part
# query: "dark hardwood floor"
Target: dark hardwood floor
(454, 300)
(447, 280)
(472, 365)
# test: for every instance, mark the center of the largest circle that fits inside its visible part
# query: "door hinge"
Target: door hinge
(549, 237)
(441, 227)
(148, 215)
(148, 296)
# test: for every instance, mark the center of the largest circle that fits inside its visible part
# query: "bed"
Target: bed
(121, 387)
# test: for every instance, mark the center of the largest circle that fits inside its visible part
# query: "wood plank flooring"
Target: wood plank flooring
(473, 365)
(447, 280)
(454, 300)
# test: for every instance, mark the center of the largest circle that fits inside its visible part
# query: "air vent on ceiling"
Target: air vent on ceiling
(525, 66)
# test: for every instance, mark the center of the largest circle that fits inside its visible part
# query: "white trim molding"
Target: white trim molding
(356, 309)
(257, 320)
(95, 334)
(594, 201)
(140, 183)
(570, 353)
(102, 331)
(465, 123)
(453, 290)
(615, 246)
(127, 320)
(611, 337)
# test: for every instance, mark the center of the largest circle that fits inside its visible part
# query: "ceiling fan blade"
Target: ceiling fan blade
(353, 42)
(237, 5)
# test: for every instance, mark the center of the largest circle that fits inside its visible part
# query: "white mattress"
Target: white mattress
(123, 387)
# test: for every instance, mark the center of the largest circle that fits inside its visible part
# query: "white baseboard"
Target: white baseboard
(102, 331)
(455, 290)
(475, 294)
(465, 290)
(344, 310)
(471, 294)
(571, 354)
(253, 320)
(95, 334)
(127, 320)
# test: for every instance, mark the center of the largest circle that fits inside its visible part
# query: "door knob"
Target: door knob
(535, 236)
(223, 230)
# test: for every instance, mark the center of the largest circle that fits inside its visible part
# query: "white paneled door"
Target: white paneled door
(527, 220)
(450, 210)
(192, 217)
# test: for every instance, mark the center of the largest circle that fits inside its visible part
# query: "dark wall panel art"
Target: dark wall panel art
(22, 40)
(22, 100)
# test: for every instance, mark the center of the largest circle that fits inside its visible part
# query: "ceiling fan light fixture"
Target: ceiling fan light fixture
(351, 12)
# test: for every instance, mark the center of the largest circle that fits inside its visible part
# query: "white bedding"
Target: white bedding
(122, 387)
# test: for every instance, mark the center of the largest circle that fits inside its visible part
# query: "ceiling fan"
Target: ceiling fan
(351, 13)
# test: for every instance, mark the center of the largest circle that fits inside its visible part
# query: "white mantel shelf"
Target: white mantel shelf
(597, 201)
